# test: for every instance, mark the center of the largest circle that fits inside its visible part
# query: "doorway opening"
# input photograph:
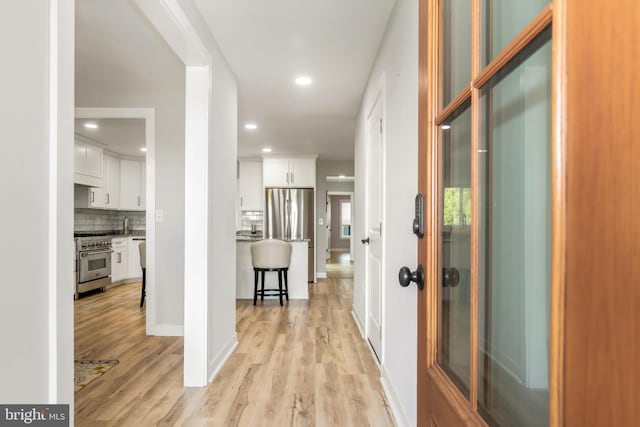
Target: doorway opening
(339, 259)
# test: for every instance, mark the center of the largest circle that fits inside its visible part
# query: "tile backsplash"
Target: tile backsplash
(251, 218)
(103, 220)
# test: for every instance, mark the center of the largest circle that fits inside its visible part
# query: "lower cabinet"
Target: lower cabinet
(135, 271)
(120, 259)
(125, 259)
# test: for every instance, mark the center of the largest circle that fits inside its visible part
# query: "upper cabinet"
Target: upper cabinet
(88, 164)
(250, 192)
(132, 185)
(299, 172)
(111, 182)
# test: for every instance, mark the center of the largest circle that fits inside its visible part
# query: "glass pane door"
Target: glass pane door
(515, 241)
(454, 354)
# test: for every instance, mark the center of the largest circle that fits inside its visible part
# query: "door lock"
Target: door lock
(418, 217)
(405, 276)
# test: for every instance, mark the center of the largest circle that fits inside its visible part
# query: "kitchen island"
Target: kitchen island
(297, 275)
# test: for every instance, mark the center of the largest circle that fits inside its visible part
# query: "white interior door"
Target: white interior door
(328, 225)
(374, 230)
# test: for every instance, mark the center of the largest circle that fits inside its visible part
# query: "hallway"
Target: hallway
(304, 364)
(339, 265)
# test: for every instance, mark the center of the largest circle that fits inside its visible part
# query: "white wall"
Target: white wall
(223, 142)
(325, 168)
(36, 182)
(169, 104)
(396, 67)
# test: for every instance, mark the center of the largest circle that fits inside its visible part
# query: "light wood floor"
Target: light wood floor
(303, 364)
(339, 265)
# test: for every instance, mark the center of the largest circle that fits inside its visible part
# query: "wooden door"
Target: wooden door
(374, 229)
(485, 169)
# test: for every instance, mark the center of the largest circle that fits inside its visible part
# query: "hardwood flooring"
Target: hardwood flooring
(339, 265)
(304, 364)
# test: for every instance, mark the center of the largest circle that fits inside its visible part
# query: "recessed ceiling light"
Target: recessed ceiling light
(303, 81)
(90, 125)
(341, 176)
(445, 127)
(143, 149)
(266, 150)
(251, 126)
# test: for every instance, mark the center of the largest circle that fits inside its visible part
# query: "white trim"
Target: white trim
(321, 274)
(399, 415)
(148, 115)
(218, 362)
(357, 321)
(166, 331)
(196, 226)
(53, 201)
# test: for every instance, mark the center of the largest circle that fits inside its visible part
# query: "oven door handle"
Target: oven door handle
(86, 254)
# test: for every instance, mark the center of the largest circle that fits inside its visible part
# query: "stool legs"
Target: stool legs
(255, 286)
(259, 276)
(286, 283)
(280, 285)
(144, 286)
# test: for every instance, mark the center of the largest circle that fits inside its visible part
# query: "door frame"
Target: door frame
(350, 194)
(148, 115)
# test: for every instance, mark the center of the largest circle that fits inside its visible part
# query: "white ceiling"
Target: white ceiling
(122, 136)
(269, 43)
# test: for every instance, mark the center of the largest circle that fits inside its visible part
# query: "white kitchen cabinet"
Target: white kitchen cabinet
(87, 164)
(300, 172)
(132, 185)
(111, 182)
(275, 172)
(250, 190)
(119, 259)
(88, 197)
(135, 271)
(303, 172)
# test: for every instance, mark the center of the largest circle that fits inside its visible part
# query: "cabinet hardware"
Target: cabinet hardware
(93, 196)
(108, 199)
(138, 201)
(119, 257)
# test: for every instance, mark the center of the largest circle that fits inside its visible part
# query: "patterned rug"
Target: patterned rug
(88, 370)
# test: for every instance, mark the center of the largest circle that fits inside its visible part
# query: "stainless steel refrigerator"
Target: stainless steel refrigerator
(289, 216)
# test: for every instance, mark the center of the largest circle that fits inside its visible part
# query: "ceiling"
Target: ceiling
(269, 43)
(122, 136)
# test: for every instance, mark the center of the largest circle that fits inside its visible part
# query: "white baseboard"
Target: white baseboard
(321, 274)
(357, 321)
(400, 417)
(166, 330)
(218, 362)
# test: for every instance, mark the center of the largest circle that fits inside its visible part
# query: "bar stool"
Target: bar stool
(142, 248)
(270, 255)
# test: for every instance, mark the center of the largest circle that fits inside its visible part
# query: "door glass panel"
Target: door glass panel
(455, 271)
(502, 20)
(514, 257)
(456, 48)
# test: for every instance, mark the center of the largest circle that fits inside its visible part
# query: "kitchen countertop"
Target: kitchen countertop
(111, 233)
(258, 238)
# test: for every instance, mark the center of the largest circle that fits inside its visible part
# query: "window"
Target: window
(345, 220)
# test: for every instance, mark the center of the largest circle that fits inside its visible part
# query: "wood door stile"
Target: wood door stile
(599, 119)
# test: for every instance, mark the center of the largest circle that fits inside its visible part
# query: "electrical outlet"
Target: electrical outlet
(320, 221)
(159, 215)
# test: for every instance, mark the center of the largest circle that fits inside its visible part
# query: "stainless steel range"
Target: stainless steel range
(93, 263)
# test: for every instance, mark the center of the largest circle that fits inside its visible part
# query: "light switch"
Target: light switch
(320, 221)
(159, 215)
